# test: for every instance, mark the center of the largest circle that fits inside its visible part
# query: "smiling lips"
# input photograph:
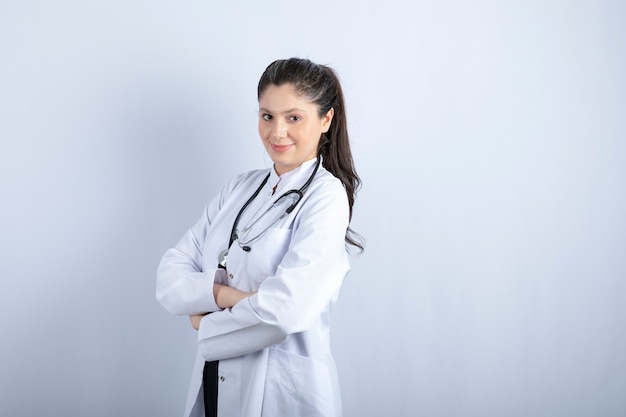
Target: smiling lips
(281, 148)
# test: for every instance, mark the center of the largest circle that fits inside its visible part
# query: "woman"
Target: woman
(267, 259)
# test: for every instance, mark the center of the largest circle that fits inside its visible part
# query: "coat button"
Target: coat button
(230, 276)
(222, 378)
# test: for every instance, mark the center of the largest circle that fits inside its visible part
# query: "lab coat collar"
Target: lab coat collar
(295, 176)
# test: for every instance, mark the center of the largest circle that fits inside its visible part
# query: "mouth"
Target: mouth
(280, 148)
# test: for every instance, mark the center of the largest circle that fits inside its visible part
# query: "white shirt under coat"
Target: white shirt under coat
(273, 347)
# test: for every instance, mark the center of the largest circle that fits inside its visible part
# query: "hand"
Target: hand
(195, 320)
(226, 296)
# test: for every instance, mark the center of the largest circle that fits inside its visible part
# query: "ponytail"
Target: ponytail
(337, 156)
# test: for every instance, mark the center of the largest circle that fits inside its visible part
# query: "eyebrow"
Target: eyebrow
(295, 109)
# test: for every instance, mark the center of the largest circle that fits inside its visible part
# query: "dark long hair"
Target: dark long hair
(320, 85)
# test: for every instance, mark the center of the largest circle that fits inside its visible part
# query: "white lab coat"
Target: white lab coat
(273, 348)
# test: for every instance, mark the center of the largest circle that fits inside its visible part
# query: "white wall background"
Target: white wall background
(490, 137)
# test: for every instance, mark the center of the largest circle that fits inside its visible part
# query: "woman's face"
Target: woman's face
(290, 127)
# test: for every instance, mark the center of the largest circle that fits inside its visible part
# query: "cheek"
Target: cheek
(314, 136)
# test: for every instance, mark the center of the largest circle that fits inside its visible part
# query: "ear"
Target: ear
(327, 119)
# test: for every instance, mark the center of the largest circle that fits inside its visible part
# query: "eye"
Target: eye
(295, 118)
(266, 117)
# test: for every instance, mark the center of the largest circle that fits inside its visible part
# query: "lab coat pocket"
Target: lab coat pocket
(297, 386)
(268, 252)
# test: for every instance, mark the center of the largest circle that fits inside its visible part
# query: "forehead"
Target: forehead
(282, 97)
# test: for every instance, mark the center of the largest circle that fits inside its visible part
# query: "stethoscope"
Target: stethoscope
(287, 202)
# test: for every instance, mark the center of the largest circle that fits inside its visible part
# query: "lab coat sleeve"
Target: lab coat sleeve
(182, 286)
(306, 281)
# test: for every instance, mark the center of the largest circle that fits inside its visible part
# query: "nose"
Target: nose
(279, 130)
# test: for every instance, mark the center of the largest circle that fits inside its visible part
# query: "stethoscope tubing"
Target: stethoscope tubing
(300, 192)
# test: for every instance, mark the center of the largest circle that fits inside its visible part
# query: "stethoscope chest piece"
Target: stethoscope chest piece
(222, 258)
